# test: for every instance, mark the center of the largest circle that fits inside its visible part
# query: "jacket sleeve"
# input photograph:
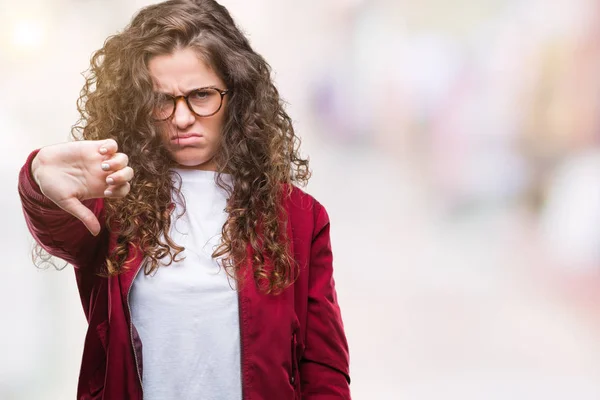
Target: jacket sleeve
(324, 368)
(58, 232)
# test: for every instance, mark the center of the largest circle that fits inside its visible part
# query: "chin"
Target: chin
(203, 164)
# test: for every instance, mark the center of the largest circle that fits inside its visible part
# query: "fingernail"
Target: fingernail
(105, 166)
(108, 192)
(110, 181)
(103, 150)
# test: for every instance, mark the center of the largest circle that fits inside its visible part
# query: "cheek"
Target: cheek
(219, 119)
(215, 125)
(213, 130)
(165, 133)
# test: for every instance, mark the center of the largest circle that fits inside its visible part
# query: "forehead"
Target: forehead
(181, 70)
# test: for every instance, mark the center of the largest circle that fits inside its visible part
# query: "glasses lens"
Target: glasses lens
(163, 108)
(205, 102)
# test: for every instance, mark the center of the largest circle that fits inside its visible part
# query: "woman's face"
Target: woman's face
(192, 141)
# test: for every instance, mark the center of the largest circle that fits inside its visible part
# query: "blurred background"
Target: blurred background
(455, 145)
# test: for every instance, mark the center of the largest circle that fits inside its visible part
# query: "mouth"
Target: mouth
(186, 138)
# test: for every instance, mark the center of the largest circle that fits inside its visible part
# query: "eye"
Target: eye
(162, 99)
(200, 94)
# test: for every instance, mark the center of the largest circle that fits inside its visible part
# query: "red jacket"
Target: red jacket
(293, 344)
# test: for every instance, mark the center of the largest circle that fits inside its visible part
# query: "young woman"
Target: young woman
(204, 273)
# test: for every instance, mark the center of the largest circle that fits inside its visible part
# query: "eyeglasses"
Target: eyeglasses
(203, 102)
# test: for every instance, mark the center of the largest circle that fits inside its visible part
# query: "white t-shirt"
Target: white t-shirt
(187, 314)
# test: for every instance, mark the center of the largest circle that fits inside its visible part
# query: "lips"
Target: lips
(185, 136)
(186, 139)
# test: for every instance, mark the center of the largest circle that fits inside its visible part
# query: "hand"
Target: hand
(69, 173)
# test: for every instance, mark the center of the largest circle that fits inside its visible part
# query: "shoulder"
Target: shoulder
(305, 213)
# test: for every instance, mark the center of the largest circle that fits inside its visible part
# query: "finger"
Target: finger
(117, 191)
(84, 214)
(117, 162)
(108, 147)
(120, 177)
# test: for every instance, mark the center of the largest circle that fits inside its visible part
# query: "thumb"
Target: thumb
(74, 207)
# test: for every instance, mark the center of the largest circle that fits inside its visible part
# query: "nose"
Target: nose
(183, 116)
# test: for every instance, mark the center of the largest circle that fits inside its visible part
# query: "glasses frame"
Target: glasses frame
(176, 99)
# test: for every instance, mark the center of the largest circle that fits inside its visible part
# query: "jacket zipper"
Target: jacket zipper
(137, 367)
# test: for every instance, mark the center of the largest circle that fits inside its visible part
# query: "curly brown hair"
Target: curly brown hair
(259, 147)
